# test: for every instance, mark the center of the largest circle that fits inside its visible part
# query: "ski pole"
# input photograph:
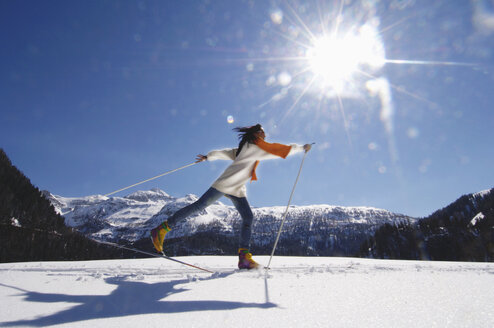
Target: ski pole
(162, 255)
(156, 177)
(286, 211)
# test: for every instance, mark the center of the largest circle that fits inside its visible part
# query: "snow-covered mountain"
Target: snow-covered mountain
(461, 231)
(308, 230)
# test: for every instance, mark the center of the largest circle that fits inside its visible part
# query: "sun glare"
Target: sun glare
(333, 60)
(336, 53)
(337, 59)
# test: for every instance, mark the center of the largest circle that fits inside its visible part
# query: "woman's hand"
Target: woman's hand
(200, 158)
(307, 147)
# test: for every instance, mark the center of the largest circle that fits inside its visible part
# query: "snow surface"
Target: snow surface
(477, 218)
(296, 292)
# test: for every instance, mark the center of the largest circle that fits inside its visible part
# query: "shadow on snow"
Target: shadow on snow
(128, 298)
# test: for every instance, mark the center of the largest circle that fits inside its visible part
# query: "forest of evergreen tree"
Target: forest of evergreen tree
(448, 234)
(31, 230)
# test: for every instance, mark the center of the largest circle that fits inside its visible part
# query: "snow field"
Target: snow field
(296, 292)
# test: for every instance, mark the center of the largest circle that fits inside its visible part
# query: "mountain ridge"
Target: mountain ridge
(461, 231)
(315, 229)
(31, 230)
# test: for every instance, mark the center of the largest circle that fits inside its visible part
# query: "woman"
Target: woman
(231, 183)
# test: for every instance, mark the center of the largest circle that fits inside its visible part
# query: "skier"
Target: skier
(251, 149)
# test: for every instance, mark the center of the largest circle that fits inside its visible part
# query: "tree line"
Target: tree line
(448, 234)
(31, 230)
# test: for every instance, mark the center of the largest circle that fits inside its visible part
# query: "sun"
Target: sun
(335, 60)
(339, 58)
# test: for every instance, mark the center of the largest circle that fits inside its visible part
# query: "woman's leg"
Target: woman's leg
(209, 197)
(243, 207)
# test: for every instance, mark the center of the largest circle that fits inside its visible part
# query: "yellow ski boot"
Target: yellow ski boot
(245, 260)
(158, 236)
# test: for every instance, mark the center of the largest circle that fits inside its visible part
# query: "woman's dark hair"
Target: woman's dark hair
(246, 134)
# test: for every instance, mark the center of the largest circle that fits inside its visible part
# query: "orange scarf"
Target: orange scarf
(272, 148)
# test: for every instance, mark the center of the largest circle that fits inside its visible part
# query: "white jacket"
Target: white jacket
(233, 180)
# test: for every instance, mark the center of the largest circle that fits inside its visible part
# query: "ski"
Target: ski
(161, 255)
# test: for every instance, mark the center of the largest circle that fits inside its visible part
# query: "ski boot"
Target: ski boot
(158, 236)
(245, 260)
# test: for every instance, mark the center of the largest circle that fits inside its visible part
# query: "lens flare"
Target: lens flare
(277, 16)
(230, 119)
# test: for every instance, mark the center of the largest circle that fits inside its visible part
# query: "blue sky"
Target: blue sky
(98, 95)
